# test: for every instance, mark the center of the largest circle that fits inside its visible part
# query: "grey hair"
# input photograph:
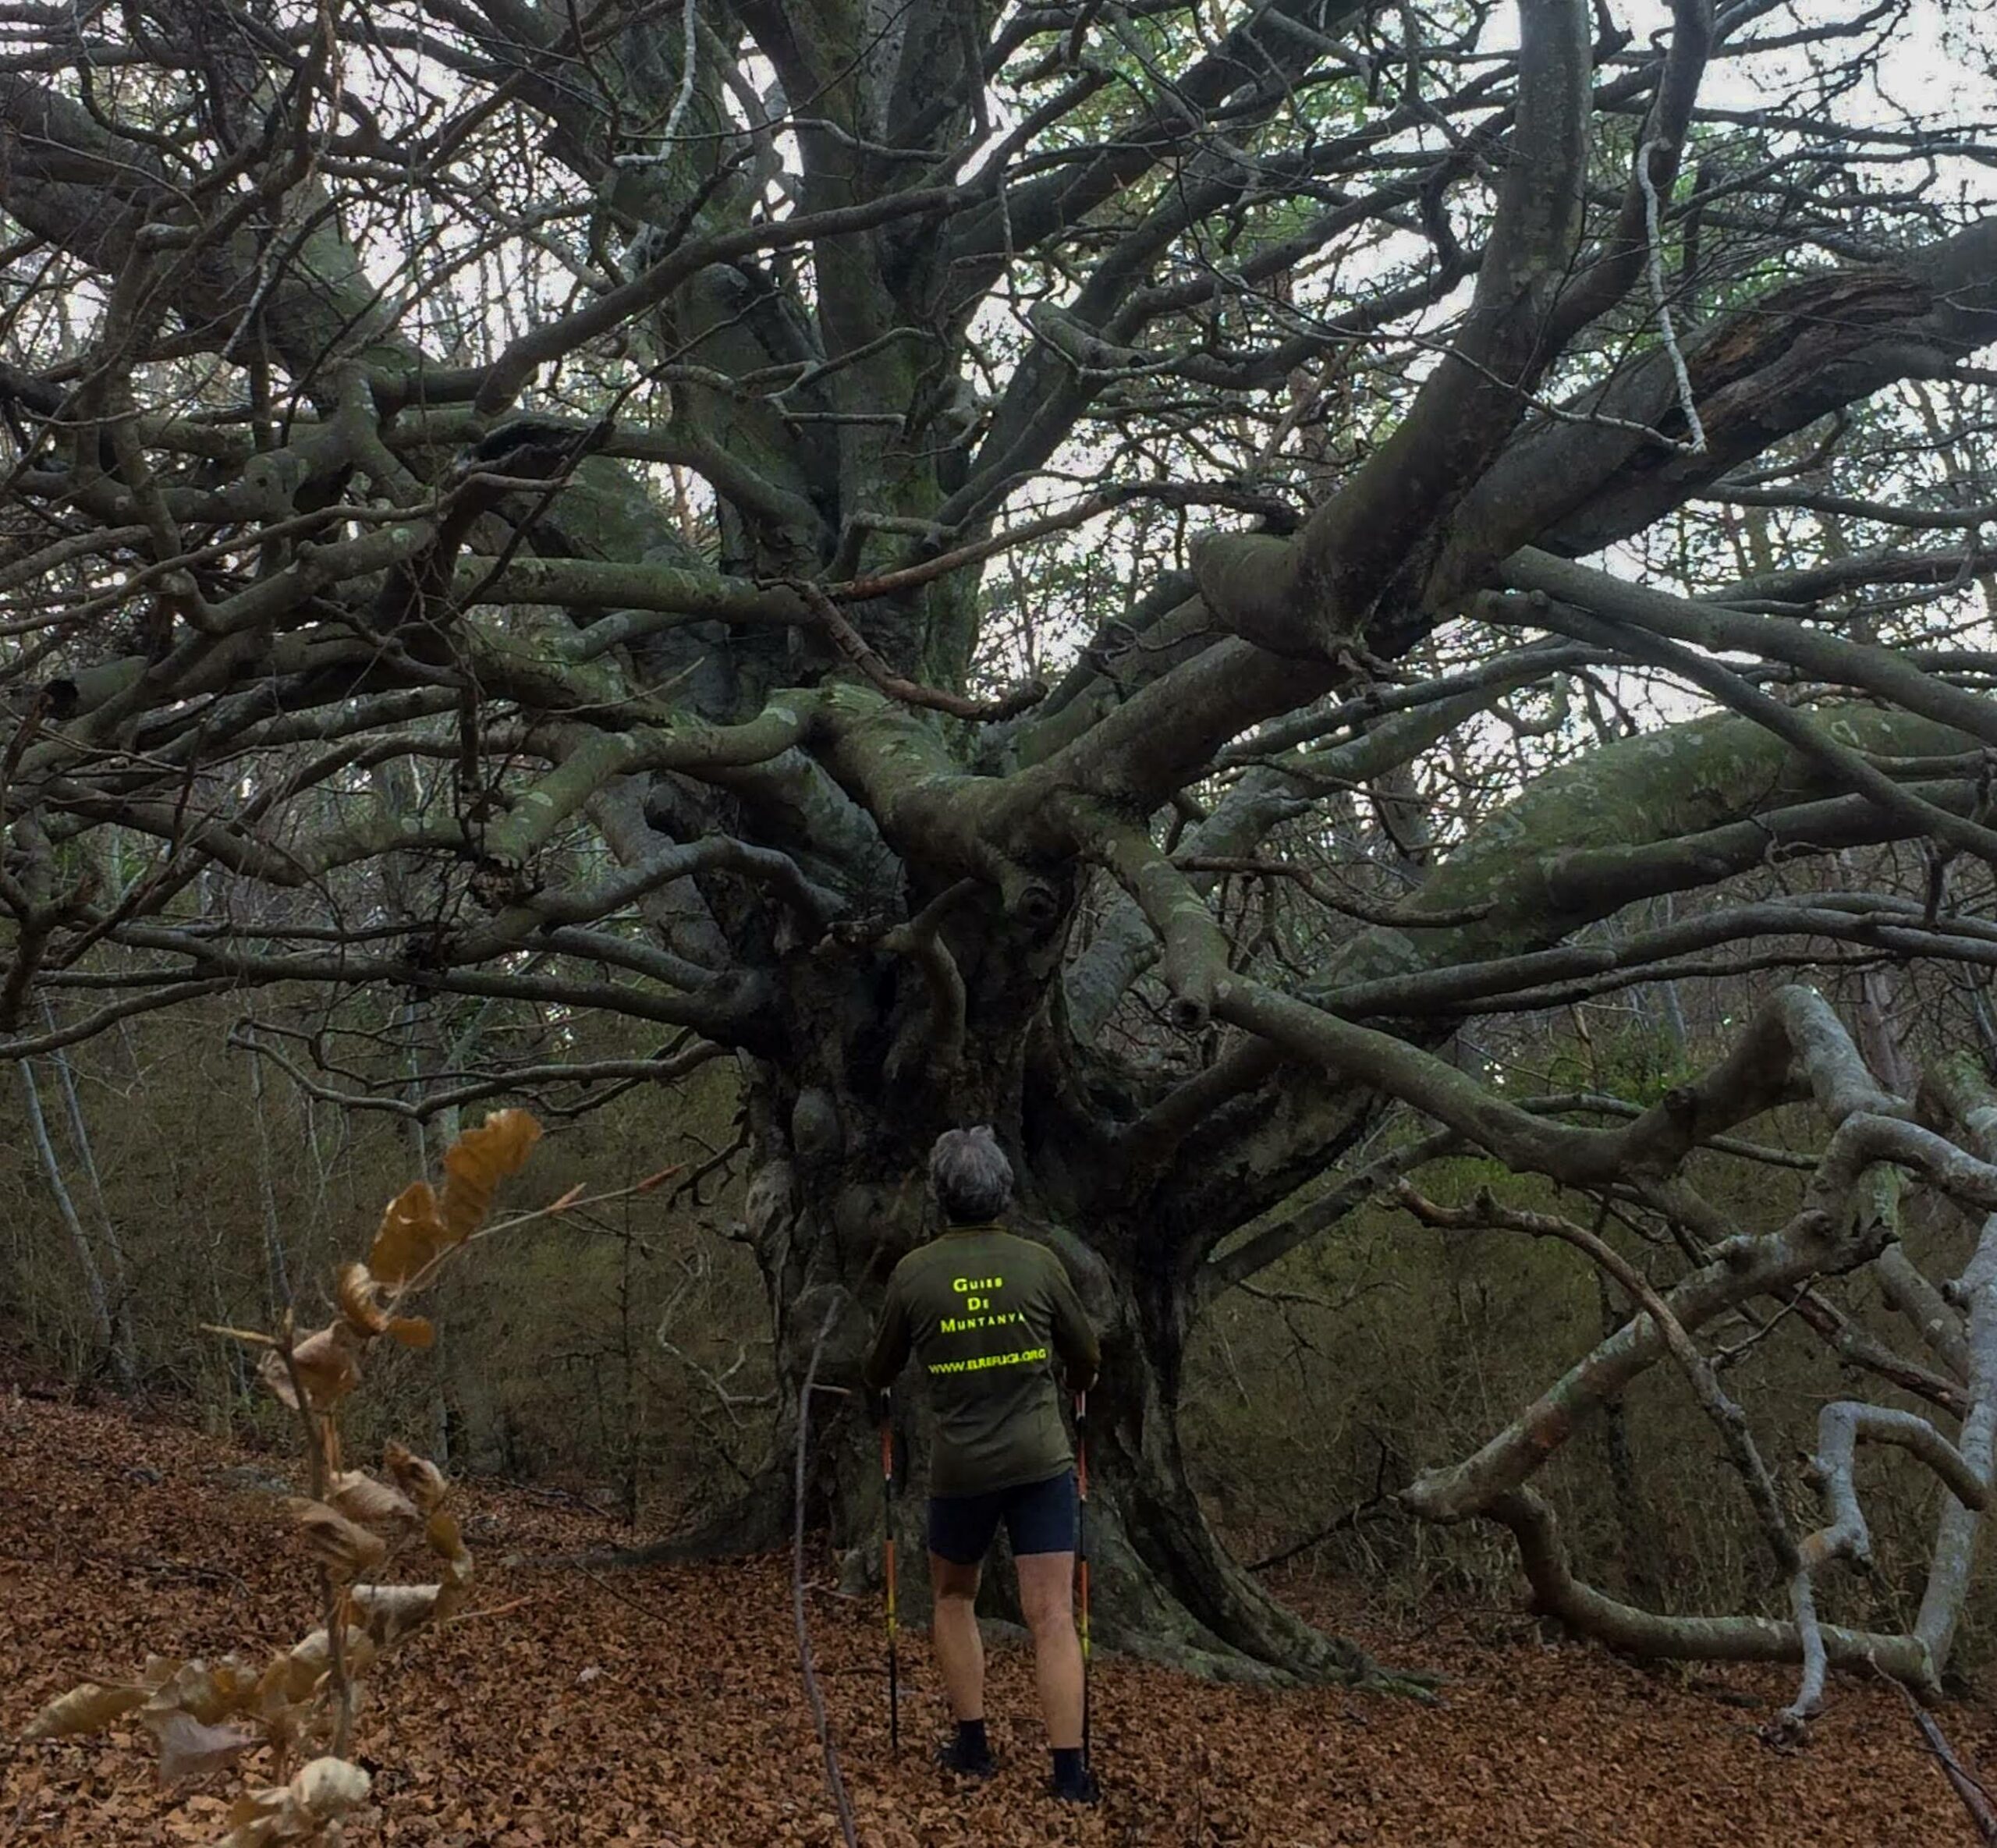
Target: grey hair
(969, 1175)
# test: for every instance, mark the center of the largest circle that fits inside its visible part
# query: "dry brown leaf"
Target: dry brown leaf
(410, 1238)
(412, 1331)
(374, 1505)
(359, 1299)
(274, 1693)
(417, 1230)
(89, 1708)
(325, 1790)
(294, 1675)
(347, 1548)
(442, 1535)
(330, 1787)
(445, 1542)
(1541, 1741)
(189, 1749)
(391, 1612)
(478, 1160)
(329, 1365)
(205, 1693)
(417, 1476)
(264, 1816)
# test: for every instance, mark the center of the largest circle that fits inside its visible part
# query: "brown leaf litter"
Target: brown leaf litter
(662, 1707)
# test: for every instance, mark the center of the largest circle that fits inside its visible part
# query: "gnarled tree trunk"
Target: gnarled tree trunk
(838, 1196)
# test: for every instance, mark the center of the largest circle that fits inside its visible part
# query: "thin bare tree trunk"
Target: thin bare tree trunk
(1635, 1531)
(124, 1343)
(278, 1280)
(79, 1240)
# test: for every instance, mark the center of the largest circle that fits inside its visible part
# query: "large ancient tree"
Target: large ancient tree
(559, 505)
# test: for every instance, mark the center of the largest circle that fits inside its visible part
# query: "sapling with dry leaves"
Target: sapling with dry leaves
(355, 1527)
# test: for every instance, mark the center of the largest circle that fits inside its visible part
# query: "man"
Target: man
(986, 1313)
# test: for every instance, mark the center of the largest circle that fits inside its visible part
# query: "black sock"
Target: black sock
(971, 1739)
(1067, 1766)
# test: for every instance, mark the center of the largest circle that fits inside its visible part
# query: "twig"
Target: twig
(330, 1597)
(689, 19)
(255, 1337)
(492, 1610)
(1378, 1505)
(603, 1584)
(1976, 1799)
(574, 1200)
(1729, 1419)
(834, 1782)
(1655, 265)
(1392, 915)
(856, 648)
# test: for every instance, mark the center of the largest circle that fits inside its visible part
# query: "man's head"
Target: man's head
(969, 1175)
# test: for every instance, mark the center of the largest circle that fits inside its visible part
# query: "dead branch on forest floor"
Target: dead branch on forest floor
(1975, 1798)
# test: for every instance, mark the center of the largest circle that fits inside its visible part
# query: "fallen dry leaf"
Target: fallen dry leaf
(695, 1735)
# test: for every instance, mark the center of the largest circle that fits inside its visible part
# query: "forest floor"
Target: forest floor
(663, 1707)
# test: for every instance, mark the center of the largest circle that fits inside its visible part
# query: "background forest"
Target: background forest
(625, 1359)
(1368, 627)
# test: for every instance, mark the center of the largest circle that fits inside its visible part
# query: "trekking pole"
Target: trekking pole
(887, 1530)
(1082, 1551)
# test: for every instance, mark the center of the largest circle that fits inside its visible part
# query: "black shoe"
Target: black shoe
(1084, 1789)
(966, 1763)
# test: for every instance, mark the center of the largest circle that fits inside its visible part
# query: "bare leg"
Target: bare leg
(1047, 1596)
(953, 1629)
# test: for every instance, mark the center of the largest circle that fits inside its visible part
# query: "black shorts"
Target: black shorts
(1039, 1518)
